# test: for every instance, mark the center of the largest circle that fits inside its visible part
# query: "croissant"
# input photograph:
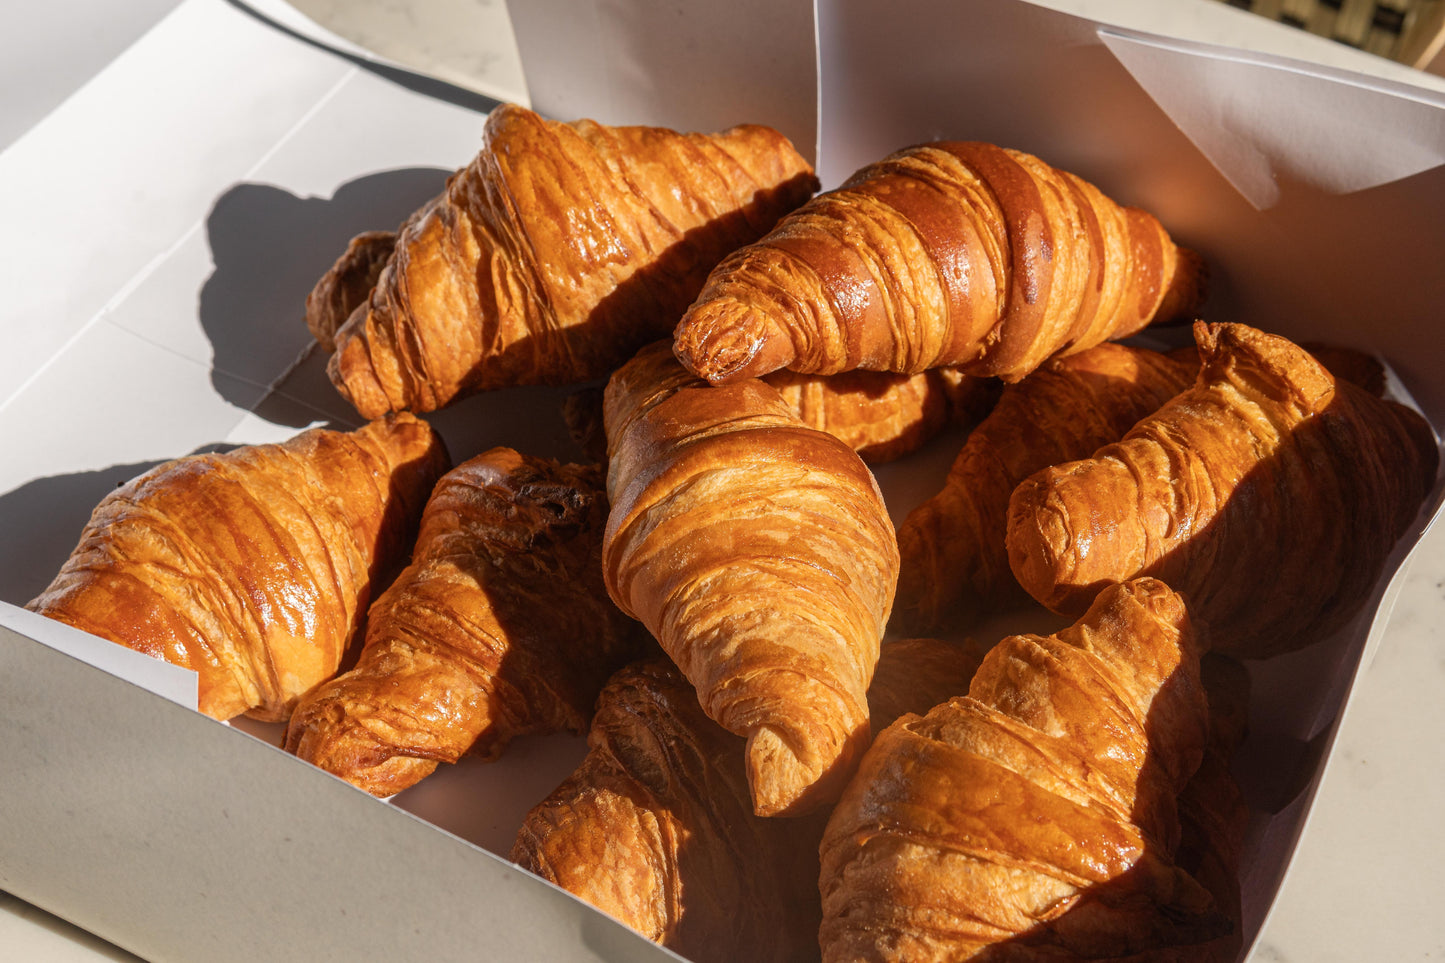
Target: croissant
(1035, 817)
(760, 554)
(347, 285)
(500, 626)
(954, 565)
(656, 828)
(253, 567)
(1268, 464)
(952, 253)
(552, 257)
(880, 415)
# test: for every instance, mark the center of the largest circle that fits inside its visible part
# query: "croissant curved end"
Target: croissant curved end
(1037, 527)
(324, 737)
(1186, 287)
(351, 371)
(726, 341)
(783, 783)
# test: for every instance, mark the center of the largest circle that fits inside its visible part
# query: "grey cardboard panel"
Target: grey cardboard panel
(179, 838)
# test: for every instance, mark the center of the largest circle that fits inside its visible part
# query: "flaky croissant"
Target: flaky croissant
(954, 564)
(253, 567)
(880, 415)
(656, 828)
(499, 627)
(1034, 818)
(952, 253)
(760, 554)
(347, 285)
(1269, 494)
(552, 257)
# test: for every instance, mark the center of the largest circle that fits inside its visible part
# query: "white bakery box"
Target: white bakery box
(164, 225)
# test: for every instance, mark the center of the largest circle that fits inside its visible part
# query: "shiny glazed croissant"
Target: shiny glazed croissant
(500, 626)
(952, 253)
(656, 828)
(954, 564)
(1034, 818)
(760, 554)
(1269, 494)
(252, 567)
(552, 257)
(880, 415)
(347, 285)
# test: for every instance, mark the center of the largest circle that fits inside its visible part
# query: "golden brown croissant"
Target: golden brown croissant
(954, 564)
(1034, 818)
(347, 285)
(760, 554)
(558, 252)
(499, 627)
(1269, 494)
(656, 828)
(953, 253)
(880, 415)
(253, 567)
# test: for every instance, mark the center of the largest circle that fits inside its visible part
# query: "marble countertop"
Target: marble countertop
(1363, 881)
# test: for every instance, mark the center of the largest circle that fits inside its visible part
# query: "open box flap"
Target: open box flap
(1260, 121)
(461, 42)
(179, 838)
(689, 66)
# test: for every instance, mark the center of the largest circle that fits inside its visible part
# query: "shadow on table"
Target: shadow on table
(269, 248)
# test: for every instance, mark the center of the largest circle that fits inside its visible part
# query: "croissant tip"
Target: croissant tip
(351, 371)
(724, 341)
(784, 783)
(778, 779)
(1191, 282)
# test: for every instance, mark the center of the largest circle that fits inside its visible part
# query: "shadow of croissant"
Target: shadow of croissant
(269, 248)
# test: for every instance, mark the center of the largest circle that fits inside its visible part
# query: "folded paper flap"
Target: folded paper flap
(208, 844)
(1259, 118)
(466, 44)
(704, 68)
